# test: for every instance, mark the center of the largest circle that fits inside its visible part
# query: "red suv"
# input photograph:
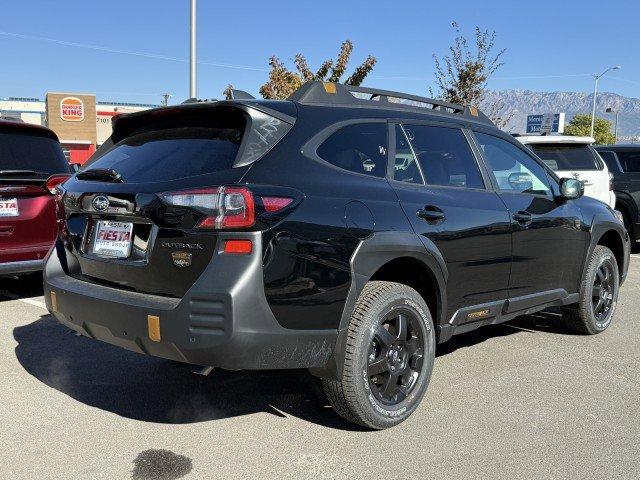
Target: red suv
(32, 165)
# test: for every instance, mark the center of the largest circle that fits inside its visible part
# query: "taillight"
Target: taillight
(273, 204)
(53, 181)
(226, 207)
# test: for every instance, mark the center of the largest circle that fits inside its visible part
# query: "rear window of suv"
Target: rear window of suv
(567, 157)
(176, 147)
(29, 149)
(630, 161)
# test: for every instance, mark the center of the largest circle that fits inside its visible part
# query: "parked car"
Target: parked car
(574, 157)
(341, 234)
(624, 164)
(32, 165)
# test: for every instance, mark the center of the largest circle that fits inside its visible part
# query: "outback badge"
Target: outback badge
(181, 259)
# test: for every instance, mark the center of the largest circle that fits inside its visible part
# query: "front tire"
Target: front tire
(389, 357)
(598, 295)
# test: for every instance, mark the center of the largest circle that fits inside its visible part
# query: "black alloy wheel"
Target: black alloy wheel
(598, 295)
(395, 356)
(603, 291)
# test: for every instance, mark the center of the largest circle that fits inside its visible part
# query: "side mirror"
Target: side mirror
(571, 188)
(75, 167)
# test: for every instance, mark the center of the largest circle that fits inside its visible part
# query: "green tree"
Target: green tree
(462, 75)
(580, 125)
(283, 82)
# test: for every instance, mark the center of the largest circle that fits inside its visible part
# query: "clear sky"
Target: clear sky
(135, 50)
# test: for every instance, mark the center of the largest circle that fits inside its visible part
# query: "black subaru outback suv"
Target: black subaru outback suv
(345, 230)
(623, 162)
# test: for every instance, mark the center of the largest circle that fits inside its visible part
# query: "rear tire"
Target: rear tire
(389, 356)
(598, 295)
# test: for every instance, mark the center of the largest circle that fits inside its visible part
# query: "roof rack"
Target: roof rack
(323, 93)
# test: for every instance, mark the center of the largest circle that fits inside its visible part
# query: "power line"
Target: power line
(101, 48)
(159, 56)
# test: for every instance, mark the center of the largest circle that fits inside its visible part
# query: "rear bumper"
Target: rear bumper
(223, 320)
(18, 268)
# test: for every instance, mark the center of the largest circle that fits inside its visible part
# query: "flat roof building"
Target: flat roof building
(81, 123)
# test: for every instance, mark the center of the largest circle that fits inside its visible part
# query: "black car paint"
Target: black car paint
(346, 226)
(626, 185)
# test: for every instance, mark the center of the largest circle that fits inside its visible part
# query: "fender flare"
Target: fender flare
(371, 254)
(599, 226)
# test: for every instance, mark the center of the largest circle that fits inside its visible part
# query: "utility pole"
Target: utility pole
(595, 94)
(192, 58)
(165, 98)
(615, 130)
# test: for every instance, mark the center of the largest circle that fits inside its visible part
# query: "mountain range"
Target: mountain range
(517, 104)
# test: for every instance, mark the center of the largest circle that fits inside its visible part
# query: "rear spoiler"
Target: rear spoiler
(264, 126)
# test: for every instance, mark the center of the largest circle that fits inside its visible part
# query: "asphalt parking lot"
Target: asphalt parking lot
(526, 399)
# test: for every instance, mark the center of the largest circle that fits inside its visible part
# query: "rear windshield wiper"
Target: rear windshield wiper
(100, 174)
(7, 173)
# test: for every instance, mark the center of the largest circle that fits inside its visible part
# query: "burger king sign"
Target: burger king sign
(71, 109)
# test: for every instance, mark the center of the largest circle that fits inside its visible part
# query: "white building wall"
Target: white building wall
(29, 110)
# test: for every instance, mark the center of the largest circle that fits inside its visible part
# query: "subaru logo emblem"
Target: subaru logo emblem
(100, 203)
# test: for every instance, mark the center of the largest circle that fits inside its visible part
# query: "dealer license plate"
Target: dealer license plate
(113, 239)
(9, 207)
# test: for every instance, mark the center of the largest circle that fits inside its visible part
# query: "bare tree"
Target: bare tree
(462, 74)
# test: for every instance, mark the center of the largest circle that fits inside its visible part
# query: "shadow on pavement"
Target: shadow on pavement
(156, 390)
(549, 321)
(25, 286)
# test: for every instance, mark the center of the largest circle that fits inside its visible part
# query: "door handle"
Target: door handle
(523, 218)
(431, 213)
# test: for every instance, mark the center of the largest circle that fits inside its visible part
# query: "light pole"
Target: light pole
(192, 58)
(615, 130)
(595, 94)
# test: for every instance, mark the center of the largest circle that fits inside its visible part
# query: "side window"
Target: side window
(444, 156)
(406, 168)
(360, 148)
(512, 168)
(610, 159)
(630, 161)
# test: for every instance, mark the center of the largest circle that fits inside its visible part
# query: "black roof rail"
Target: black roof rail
(323, 93)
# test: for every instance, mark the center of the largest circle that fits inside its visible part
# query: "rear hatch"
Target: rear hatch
(577, 161)
(31, 165)
(144, 212)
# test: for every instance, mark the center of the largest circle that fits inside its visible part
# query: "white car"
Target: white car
(574, 157)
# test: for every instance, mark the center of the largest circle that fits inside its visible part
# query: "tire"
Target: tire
(380, 388)
(598, 295)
